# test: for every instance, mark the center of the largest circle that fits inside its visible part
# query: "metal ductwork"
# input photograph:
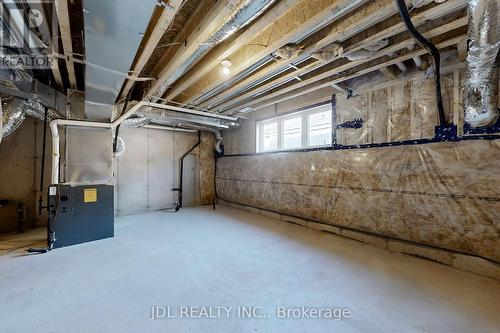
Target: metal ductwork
(249, 11)
(218, 139)
(480, 95)
(173, 118)
(15, 110)
(120, 147)
(136, 121)
(12, 117)
(113, 32)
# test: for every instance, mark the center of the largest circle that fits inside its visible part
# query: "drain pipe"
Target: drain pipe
(42, 169)
(182, 169)
(432, 49)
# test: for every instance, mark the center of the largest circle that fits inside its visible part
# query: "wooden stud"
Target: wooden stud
(161, 27)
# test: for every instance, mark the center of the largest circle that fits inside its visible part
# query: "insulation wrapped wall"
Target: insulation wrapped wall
(442, 194)
(403, 110)
(207, 168)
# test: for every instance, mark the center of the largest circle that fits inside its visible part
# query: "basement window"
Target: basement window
(311, 127)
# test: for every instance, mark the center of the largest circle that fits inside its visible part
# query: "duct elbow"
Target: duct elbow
(120, 147)
(480, 94)
(137, 121)
(480, 107)
(218, 140)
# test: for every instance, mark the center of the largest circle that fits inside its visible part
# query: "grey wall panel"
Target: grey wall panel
(148, 169)
(132, 173)
(161, 169)
(189, 180)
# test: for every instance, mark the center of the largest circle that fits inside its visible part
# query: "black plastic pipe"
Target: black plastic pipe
(432, 49)
(42, 169)
(182, 167)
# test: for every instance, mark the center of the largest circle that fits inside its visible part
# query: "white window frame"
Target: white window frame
(304, 114)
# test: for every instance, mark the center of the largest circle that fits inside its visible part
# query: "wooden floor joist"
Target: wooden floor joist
(431, 14)
(386, 51)
(65, 29)
(224, 51)
(313, 24)
(212, 22)
(309, 86)
(166, 18)
(344, 31)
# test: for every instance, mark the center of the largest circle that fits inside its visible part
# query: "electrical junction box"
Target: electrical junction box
(80, 213)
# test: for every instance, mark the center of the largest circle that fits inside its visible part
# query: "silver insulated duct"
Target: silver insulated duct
(15, 110)
(136, 121)
(249, 11)
(480, 95)
(218, 139)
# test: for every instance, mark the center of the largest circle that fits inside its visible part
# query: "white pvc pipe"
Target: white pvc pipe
(190, 111)
(402, 67)
(81, 123)
(173, 129)
(417, 60)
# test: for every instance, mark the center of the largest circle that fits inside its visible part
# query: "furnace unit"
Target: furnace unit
(79, 214)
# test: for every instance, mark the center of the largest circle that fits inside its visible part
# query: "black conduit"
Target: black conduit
(182, 166)
(432, 49)
(42, 170)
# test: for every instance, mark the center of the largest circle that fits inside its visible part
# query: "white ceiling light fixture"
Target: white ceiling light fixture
(226, 63)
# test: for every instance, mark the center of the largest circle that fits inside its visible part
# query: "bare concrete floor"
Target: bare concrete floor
(199, 257)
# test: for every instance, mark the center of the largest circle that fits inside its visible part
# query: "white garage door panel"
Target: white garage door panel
(145, 171)
(161, 169)
(132, 172)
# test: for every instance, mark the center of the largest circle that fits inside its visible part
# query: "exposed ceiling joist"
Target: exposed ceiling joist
(168, 13)
(389, 73)
(309, 26)
(47, 39)
(340, 31)
(331, 77)
(65, 28)
(224, 51)
(217, 17)
(433, 13)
